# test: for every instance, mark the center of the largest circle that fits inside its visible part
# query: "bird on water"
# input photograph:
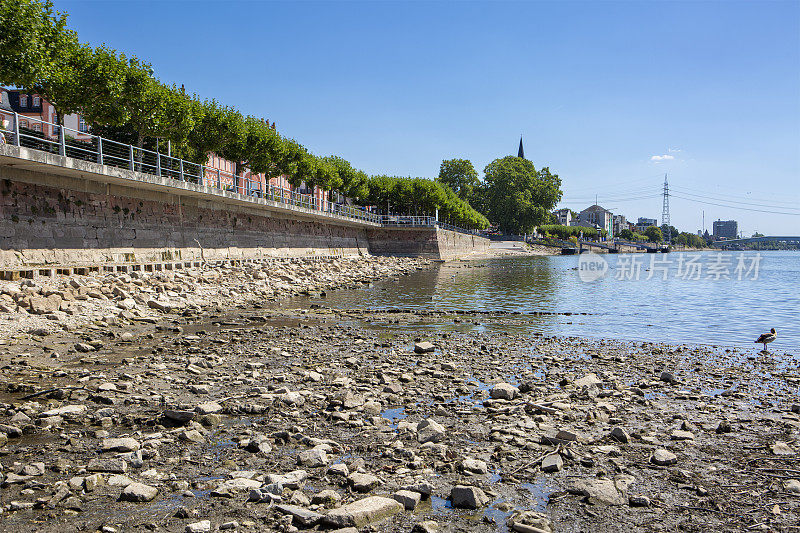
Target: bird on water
(766, 338)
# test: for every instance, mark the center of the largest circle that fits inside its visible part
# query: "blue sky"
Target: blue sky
(598, 89)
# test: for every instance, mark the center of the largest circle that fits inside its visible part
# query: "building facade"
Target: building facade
(38, 116)
(619, 223)
(598, 218)
(725, 230)
(563, 217)
(643, 223)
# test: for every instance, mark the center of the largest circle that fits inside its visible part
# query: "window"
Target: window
(37, 127)
(23, 100)
(37, 101)
(23, 123)
(82, 127)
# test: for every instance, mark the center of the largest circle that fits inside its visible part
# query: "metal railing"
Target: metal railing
(34, 133)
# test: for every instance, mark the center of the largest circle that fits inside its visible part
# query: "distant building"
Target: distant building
(643, 223)
(725, 229)
(598, 218)
(619, 224)
(563, 216)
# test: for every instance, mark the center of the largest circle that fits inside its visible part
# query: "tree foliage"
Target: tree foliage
(460, 176)
(653, 234)
(518, 197)
(121, 99)
(565, 232)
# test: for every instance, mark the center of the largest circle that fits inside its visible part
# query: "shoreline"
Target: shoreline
(319, 413)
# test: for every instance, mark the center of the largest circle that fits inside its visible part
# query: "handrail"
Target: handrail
(21, 130)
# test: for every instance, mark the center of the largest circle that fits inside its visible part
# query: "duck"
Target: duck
(766, 338)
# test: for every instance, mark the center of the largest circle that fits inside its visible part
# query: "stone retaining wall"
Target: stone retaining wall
(55, 211)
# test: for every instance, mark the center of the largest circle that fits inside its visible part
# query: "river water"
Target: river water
(718, 298)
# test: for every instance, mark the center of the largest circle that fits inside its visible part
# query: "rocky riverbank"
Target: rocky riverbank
(312, 419)
(46, 305)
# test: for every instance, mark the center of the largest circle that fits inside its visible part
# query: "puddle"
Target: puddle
(394, 415)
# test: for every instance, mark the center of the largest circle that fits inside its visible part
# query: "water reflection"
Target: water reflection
(726, 311)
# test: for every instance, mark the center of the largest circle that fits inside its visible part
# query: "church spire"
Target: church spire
(521, 152)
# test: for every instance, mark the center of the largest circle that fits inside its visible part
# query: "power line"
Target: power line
(754, 204)
(771, 211)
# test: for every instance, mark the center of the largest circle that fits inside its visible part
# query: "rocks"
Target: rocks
(65, 410)
(313, 458)
(126, 444)
(663, 457)
(468, 497)
(474, 466)
(781, 448)
(679, 434)
(303, 517)
(114, 466)
(138, 492)
(203, 526)
(620, 435)
(504, 391)
(207, 408)
(599, 491)
(668, 377)
(363, 482)
(409, 499)
(424, 347)
(181, 417)
(792, 485)
(362, 512)
(429, 431)
(552, 463)
(589, 380)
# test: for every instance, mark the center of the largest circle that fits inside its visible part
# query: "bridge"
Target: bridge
(738, 242)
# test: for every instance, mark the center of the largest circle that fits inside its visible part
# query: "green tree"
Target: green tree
(626, 234)
(38, 53)
(518, 196)
(653, 234)
(459, 175)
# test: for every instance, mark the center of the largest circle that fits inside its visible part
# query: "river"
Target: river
(718, 298)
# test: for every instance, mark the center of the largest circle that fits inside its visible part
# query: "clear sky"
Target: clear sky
(609, 95)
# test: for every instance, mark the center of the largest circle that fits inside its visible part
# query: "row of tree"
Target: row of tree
(120, 98)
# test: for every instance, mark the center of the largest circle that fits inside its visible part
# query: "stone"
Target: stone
(426, 526)
(474, 466)
(552, 463)
(113, 466)
(233, 486)
(639, 501)
(723, 427)
(362, 512)
(118, 480)
(781, 448)
(620, 435)
(203, 526)
(40, 305)
(313, 458)
(424, 347)
(468, 497)
(83, 347)
(207, 408)
(302, 516)
(181, 417)
(589, 380)
(663, 457)
(679, 434)
(327, 497)
(65, 410)
(429, 430)
(292, 480)
(191, 435)
(138, 492)
(599, 491)
(792, 485)
(339, 469)
(125, 444)
(668, 377)
(363, 482)
(504, 391)
(408, 498)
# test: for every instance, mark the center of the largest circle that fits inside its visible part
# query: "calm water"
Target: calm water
(677, 309)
